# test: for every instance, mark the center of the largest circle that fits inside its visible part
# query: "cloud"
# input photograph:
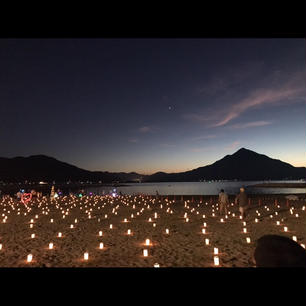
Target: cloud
(145, 129)
(257, 99)
(250, 124)
(133, 140)
(196, 117)
(204, 137)
(233, 146)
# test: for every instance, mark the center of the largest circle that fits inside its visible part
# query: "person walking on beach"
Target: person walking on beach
(242, 201)
(223, 202)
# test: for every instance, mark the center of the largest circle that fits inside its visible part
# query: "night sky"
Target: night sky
(149, 105)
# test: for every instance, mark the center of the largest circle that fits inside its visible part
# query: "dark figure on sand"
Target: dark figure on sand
(223, 202)
(279, 251)
(242, 201)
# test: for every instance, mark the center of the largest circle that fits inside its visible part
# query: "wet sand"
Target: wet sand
(184, 246)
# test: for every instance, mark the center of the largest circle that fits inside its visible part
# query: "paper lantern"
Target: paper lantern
(51, 220)
(145, 253)
(154, 224)
(244, 223)
(31, 225)
(50, 245)
(110, 226)
(147, 241)
(33, 236)
(294, 238)
(303, 245)
(207, 241)
(204, 224)
(204, 216)
(277, 223)
(248, 240)
(59, 234)
(221, 220)
(256, 220)
(155, 215)
(156, 265)
(297, 215)
(101, 245)
(244, 230)
(216, 251)
(0, 246)
(203, 231)
(129, 232)
(216, 260)
(29, 258)
(86, 255)
(285, 228)
(167, 231)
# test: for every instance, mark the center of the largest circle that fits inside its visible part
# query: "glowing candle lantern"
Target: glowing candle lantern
(101, 245)
(204, 224)
(221, 220)
(297, 215)
(240, 217)
(86, 256)
(156, 265)
(216, 260)
(248, 240)
(277, 223)
(31, 225)
(203, 231)
(29, 258)
(207, 241)
(285, 228)
(75, 220)
(105, 216)
(204, 216)
(154, 224)
(50, 245)
(147, 241)
(303, 245)
(125, 220)
(244, 223)
(276, 213)
(129, 232)
(155, 215)
(150, 220)
(244, 230)
(110, 226)
(187, 219)
(0, 246)
(145, 253)
(36, 216)
(33, 236)
(59, 234)
(167, 231)
(216, 251)
(71, 226)
(294, 238)
(233, 214)
(256, 220)
(51, 220)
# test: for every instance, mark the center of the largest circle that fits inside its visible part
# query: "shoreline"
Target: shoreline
(280, 185)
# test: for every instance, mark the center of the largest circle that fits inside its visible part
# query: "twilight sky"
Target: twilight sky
(150, 105)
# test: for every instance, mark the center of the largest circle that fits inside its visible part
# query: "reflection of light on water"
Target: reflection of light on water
(200, 188)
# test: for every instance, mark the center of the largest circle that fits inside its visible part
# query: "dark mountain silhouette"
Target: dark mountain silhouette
(242, 165)
(45, 168)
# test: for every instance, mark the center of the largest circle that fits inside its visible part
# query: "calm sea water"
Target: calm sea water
(197, 188)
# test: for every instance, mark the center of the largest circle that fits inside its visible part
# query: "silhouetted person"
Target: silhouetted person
(223, 202)
(279, 251)
(242, 201)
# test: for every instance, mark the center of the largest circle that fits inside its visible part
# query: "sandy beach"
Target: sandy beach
(182, 246)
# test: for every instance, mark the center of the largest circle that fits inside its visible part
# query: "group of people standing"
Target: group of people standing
(241, 199)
